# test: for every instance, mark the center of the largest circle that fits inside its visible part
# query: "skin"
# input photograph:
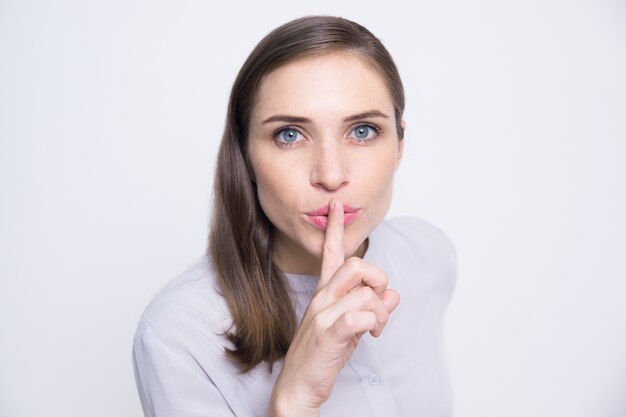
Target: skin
(325, 164)
(327, 160)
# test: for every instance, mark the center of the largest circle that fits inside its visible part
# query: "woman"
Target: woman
(291, 312)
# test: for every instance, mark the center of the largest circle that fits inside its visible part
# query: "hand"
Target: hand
(351, 299)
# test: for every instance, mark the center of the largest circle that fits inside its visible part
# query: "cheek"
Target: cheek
(267, 186)
(277, 186)
(377, 182)
(376, 175)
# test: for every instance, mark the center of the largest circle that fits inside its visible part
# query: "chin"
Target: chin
(317, 249)
(352, 244)
(351, 250)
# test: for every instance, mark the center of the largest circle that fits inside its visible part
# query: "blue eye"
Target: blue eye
(361, 132)
(288, 135)
(364, 133)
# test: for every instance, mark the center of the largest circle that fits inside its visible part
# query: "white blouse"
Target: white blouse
(181, 369)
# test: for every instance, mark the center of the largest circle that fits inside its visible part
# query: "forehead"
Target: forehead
(337, 83)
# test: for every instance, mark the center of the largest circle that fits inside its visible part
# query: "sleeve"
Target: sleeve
(170, 386)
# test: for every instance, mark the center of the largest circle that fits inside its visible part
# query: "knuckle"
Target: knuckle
(385, 279)
(349, 320)
(367, 294)
(355, 264)
(319, 323)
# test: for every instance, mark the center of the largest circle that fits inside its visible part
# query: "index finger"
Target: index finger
(333, 254)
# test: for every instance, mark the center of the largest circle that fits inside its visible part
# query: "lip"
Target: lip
(319, 217)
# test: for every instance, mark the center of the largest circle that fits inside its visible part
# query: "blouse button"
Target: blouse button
(374, 379)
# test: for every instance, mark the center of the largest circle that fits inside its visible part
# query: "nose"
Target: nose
(329, 168)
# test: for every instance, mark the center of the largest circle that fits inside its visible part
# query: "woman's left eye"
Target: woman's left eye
(363, 133)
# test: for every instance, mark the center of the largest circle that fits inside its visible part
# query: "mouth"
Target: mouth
(319, 217)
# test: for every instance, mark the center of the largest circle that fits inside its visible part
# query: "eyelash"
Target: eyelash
(377, 132)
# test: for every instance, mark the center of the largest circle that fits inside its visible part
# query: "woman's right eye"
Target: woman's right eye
(288, 136)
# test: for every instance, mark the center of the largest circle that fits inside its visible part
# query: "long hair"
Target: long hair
(240, 238)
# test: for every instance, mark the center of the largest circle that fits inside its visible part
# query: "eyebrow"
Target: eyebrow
(298, 119)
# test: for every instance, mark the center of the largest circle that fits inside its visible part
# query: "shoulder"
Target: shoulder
(178, 348)
(414, 247)
(416, 235)
(189, 306)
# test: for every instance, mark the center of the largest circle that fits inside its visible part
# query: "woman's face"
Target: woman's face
(322, 128)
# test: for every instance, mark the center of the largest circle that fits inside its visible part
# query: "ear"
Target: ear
(400, 145)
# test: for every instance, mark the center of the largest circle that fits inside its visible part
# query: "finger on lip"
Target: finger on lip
(320, 216)
(325, 210)
(333, 253)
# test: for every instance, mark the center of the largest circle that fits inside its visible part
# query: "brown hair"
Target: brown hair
(240, 240)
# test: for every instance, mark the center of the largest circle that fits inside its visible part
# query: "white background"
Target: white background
(110, 116)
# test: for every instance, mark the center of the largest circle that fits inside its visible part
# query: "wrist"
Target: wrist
(285, 403)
